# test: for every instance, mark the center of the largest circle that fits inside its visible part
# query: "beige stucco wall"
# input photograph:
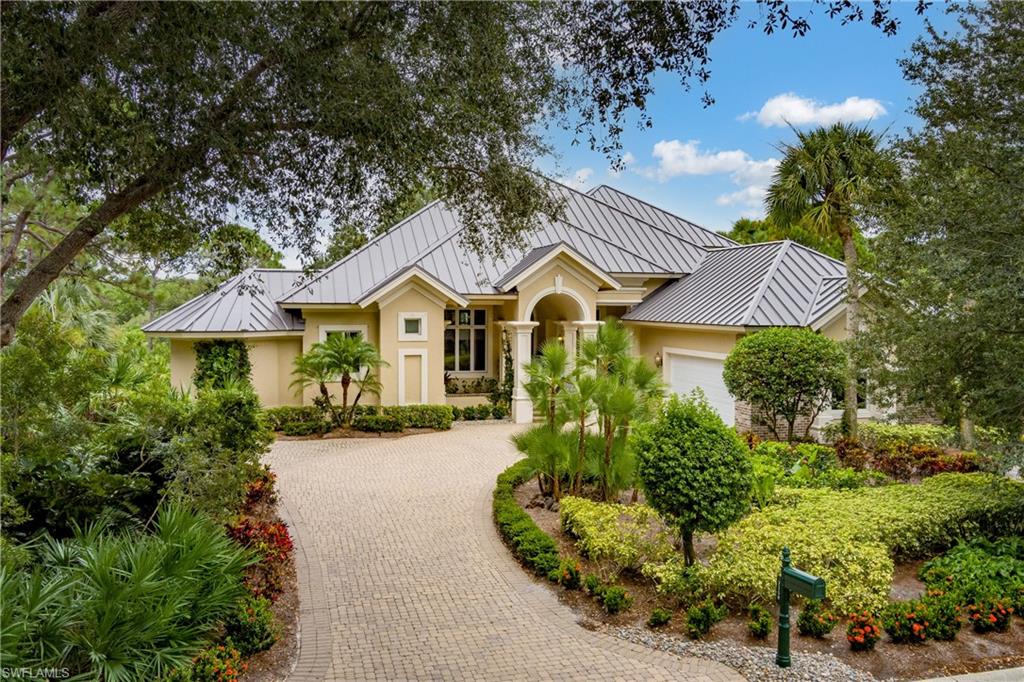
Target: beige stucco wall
(544, 280)
(836, 329)
(412, 300)
(649, 340)
(316, 320)
(271, 359)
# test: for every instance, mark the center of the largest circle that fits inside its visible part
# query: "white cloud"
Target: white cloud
(791, 109)
(579, 179)
(677, 158)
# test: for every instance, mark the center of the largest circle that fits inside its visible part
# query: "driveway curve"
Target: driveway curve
(402, 575)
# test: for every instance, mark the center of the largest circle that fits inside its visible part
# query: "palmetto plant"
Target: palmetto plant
(820, 182)
(547, 375)
(576, 404)
(113, 606)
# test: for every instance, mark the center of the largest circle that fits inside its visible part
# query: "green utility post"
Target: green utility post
(792, 580)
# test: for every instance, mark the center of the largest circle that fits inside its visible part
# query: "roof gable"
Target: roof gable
(539, 257)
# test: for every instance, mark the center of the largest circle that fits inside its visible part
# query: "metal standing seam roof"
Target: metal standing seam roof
(759, 285)
(245, 303)
(660, 217)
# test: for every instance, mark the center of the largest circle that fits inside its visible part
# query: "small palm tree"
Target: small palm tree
(576, 404)
(311, 369)
(606, 349)
(548, 374)
(820, 183)
(349, 356)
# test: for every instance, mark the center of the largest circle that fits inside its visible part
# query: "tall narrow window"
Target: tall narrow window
(465, 340)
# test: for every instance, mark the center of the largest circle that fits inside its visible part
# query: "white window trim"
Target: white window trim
(488, 351)
(405, 336)
(361, 328)
(402, 354)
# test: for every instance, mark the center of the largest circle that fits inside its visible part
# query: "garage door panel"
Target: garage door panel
(687, 372)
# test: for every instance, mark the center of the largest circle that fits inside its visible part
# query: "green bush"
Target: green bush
(615, 599)
(456, 413)
(123, 605)
(784, 373)
(593, 585)
(674, 578)
(437, 417)
(220, 663)
(851, 538)
(815, 620)
(906, 622)
(278, 417)
(499, 411)
(303, 428)
(530, 544)
(378, 423)
(988, 615)
(615, 536)
(863, 631)
(978, 569)
(944, 620)
(701, 617)
(220, 363)
(251, 627)
(569, 575)
(659, 618)
(760, 623)
(694, 469)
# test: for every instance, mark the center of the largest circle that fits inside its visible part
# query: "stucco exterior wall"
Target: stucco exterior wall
(648, 340)
(271, 360)
(836, 329)
(413, 300)
(544, 282)
(318, 321)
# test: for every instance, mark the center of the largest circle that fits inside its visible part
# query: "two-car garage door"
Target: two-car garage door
(687, 372)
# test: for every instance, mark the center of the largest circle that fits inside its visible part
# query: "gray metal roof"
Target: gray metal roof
(831, 292)
(660, 217)
(245, 303)
(760, 285)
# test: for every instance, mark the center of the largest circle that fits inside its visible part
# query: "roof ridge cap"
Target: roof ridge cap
(764, 283)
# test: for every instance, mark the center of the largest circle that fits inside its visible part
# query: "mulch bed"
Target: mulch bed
(970, 652)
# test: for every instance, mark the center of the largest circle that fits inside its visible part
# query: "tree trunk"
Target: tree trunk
(327, 399)
(790, 425)
(581, 453)
(852, 330)
(688, 551)
(609, 439)
(968, 441)
(346, 381)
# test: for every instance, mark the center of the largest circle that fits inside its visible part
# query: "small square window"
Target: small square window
(412, 325)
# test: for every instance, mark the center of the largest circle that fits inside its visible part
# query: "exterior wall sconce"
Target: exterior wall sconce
(657, 359)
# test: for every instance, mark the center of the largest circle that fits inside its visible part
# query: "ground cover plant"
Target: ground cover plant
(978, 569)
(852, 538)
(617, 537)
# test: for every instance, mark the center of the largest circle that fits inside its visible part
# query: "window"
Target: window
(344, 329)
(412, 326)
(862, 395)
(465, 340)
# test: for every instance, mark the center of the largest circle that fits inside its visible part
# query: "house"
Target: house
(436, 311)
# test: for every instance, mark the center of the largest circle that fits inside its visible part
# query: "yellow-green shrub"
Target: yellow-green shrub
(616, 536)
(851, 538)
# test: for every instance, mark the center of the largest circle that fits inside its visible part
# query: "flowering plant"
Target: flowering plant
(863, 631)
(218, 664)
(990, 614)
(906, 622)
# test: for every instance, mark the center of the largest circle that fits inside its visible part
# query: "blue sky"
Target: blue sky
(711, 165)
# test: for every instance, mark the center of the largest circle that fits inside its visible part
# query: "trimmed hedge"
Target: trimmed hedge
(532, 546)
(438, 417)
(301, 420)
(277, 417)
(851, 538)
(378, 423)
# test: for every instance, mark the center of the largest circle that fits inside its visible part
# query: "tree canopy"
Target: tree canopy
(947, 320)
(299, 114)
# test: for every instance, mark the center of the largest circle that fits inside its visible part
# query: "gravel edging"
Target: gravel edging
(754, 663)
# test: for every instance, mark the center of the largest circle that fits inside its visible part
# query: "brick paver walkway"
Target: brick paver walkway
(402, 574)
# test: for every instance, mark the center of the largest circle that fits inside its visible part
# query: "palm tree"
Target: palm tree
(820, 181)
(548, 374)
(576, 404)
(312, 369)
(347, 356)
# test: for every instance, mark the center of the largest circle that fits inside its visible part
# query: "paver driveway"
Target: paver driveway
(402, 574)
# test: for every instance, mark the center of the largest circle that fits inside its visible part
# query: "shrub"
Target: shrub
(220, 362)
(765, 473)
(977, 570)
(785, 372)
(906, 621)
(499, 411)
(674, 578)
(251, 627)
(483, 411)
(943, 617)
(569, 574)
(694, 469)
(535, 548)
(303, 428)
(273, 545)
(615, 599)
(990, 614)
(863, 631)
(456, 413)
(815, 620)
(437, 417)
(221, 663)
(760, 624)
(123, 605)
(850, 538)
(378, 423)
(277, 417)
(659, 618)
(616, 536)
(851, 454)
(593, 585)
(701, 617)
(260, 489)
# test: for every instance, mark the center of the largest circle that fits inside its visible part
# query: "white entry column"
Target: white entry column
(569, 341)
(522, 344)
(588, 329)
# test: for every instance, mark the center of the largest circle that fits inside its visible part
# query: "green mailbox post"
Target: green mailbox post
(803, 583)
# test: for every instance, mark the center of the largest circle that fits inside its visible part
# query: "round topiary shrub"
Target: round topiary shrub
(694, 469)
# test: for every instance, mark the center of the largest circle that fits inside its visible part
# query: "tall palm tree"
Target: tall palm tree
(820, 181)
(347, 356)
